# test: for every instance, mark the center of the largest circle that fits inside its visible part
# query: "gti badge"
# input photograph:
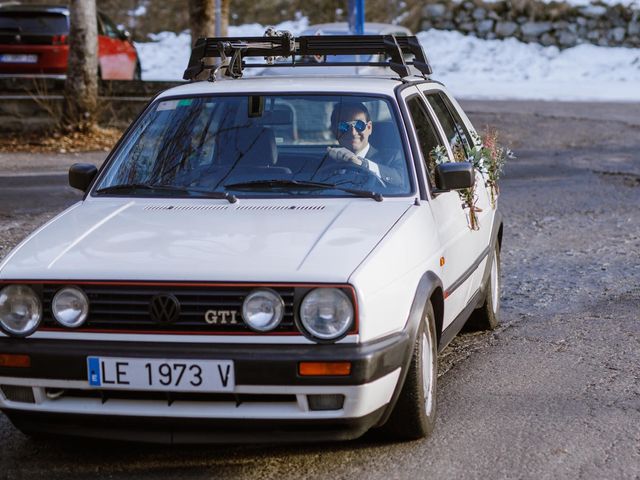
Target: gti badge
(221, 317)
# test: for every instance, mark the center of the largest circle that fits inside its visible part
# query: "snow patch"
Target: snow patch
(469, 66)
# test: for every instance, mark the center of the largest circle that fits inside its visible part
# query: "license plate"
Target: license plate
(160, 374)
(12, 58)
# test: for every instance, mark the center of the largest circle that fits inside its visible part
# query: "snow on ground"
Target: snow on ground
(470, 67)
(167, 55)
(579, 3)
(475, 68)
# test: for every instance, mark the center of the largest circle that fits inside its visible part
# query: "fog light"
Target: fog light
(263, 310)
(325, 402)
(70, 307)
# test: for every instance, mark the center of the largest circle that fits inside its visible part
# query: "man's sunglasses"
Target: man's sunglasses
(359, 125)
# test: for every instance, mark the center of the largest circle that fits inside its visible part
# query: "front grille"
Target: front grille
(127, 308)
(16, 393)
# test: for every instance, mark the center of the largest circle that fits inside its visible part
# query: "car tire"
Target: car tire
(414, 414)
(487, 317)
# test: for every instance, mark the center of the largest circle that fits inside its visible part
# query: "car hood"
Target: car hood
(184, 240)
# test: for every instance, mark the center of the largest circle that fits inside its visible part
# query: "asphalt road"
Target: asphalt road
(35, 194)
(553, 393)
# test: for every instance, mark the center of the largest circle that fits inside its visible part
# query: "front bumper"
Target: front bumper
(269, 402)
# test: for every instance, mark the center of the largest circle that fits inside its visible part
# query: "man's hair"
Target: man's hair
(347, 109)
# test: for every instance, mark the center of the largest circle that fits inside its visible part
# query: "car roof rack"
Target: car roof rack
(232, 50)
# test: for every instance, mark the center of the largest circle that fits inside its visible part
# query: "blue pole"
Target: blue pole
(359, 17)
(356, 16)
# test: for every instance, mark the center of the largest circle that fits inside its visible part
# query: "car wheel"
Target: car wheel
(414, 414)
(487, 317)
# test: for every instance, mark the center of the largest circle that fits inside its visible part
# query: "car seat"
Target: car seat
(384, 136)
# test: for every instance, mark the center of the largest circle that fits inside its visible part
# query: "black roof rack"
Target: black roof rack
(232, 50)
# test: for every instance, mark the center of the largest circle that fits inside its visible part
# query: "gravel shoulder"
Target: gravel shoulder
(553, 393)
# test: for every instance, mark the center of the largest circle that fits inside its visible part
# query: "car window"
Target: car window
(460, 126)
(426, 132)
(27, 23)
(459, 143)
(210, 142)
(109, 28)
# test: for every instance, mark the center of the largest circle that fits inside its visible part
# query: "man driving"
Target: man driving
(351, 123)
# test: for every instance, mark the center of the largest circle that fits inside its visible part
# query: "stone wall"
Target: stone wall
(548, 24)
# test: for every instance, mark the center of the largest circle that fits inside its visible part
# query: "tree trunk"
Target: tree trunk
(81, 85)
(225, 17)
(202, 19)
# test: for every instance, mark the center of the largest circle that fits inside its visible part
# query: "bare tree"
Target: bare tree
(226, 6)
(81, 85)
(202, 18)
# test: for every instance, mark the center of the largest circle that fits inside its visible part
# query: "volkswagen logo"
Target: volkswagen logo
(164, 308)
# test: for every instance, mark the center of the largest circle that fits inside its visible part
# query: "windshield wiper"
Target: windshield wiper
(284, 183)
(128, 187)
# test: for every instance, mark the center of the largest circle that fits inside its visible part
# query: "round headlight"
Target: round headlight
(70, 307)
(326, 313)
(263, 310)
(20, 310)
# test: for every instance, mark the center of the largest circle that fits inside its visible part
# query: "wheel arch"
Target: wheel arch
(429, 289)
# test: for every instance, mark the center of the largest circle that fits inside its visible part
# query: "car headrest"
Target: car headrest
(385, 135)
(251, 146)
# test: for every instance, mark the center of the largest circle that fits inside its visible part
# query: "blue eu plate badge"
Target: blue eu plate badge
(93, 363)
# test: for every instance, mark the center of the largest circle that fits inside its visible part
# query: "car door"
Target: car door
(445, 208)
(114, 56)
(459, 133)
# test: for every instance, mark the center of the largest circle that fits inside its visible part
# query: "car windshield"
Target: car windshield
(262, 145)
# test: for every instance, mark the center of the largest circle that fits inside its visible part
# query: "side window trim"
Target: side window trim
(434, 117)
(425, 179)
(436, 122)
(450, 101)
(458, 121)
(403, 95)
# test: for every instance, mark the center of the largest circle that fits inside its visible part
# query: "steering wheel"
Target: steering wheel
(346, 170)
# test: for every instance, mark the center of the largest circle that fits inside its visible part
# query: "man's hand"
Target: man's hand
(341, 154)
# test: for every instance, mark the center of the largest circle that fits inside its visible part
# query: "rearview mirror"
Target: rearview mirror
(454, 176)
(81, 175)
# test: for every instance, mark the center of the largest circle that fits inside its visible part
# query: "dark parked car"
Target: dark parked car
(33, 41)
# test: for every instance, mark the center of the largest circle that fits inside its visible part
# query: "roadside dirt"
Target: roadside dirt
(100, 139)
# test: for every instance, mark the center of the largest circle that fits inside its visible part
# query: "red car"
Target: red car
(34, 40)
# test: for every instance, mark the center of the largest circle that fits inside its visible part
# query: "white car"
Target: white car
(258, 259)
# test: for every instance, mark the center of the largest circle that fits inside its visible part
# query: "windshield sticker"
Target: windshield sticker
(185, 102)
(168, 105)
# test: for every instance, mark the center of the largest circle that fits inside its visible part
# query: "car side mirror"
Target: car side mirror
(454, 176)
(125, 35)
(81, 175)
